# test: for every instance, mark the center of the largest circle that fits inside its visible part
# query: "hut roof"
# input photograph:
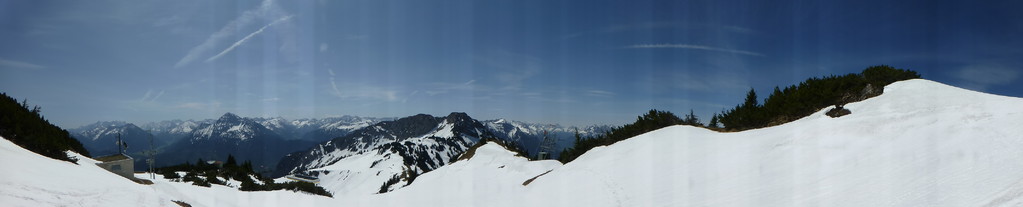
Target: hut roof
(115, 157)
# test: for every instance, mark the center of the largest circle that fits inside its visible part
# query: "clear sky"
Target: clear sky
(568, 62)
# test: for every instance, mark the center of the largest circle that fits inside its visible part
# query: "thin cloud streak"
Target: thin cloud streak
(600, 93)
(695, 47)
(266, 10)
(150, 97)
(362, 92)
(247, 37)
(4, 63)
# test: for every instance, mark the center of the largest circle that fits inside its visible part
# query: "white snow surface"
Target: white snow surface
(29, 179)
(921, 143)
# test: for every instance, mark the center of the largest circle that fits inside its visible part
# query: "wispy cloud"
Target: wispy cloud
(356, 37)
(442, 88)
(211, 106)
(737, 29)
(4, 63)
(266, 11)
(151, 95)
(511, 69)
(361, 91)
(600, 93)
(662, 25)
(706, 82)
(695, 47)
(247, 37)
(980, 77)
(324, 47)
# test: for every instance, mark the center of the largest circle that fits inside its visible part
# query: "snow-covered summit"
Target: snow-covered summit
(402, 148)
(229, 126)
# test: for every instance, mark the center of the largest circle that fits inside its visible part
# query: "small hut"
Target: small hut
(119, 164)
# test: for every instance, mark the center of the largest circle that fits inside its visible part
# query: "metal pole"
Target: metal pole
(119, 143)
(152, 150)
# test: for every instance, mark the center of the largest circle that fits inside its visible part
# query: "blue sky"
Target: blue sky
(568, 62)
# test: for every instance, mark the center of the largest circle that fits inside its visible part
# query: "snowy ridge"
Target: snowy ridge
(99, 129)
(493, 173)
(921, 143)
(173, 126)
(101, 138)
(41, 181)
(529, 135)
(363, 161)
(229, 126)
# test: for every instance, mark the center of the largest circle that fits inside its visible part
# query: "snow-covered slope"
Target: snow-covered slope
(31, 180)
(492, 174)
(921, 143)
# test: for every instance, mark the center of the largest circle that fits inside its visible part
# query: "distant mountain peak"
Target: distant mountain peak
(229, 117)
(458, 117)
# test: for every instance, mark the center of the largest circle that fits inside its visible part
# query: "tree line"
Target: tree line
(781, 106)
(652, 120)
(801, 100)
(204, 174)
(27, 128)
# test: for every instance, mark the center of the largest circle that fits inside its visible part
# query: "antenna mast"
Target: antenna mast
(546, 146)
(152, 152)
(119, 150)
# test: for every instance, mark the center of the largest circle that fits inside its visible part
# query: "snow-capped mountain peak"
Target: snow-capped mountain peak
(401, 148)
(229, 126)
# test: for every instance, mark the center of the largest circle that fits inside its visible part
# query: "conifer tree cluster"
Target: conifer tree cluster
(203, 174)
(650, 121)
(814, 94)
(781, 106)
(27, 128)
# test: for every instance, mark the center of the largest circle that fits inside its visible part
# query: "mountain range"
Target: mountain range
(921, 143)
(264, 141)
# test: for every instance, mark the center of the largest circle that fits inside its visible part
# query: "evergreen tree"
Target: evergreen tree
(28, 129)
(751, 99)
(807, 97)
(650, 121)
(230, 161)
(713, 121)
(577, 136)
(691, 119)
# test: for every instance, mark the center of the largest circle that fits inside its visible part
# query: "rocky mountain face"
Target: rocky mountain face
(529, 135)
(244, 138)
(100, 138)
(170, 131)
(387, 155)
(324, 129)
(416, 144)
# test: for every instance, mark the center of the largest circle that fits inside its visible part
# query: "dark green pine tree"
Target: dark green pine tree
(691, 119)
(751, 99)
(230, 161)
(713, 121)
